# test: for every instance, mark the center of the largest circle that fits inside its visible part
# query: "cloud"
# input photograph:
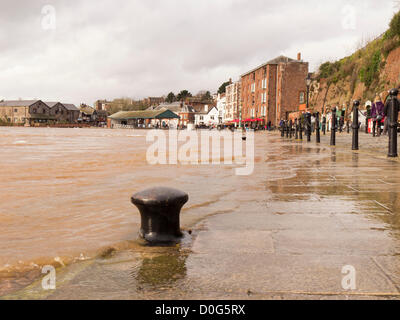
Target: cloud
(108, 49)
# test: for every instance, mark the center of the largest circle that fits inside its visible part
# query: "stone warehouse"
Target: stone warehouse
(273, 90)
(29, 112)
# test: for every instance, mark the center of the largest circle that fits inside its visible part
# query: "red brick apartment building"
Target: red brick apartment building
(273, 90)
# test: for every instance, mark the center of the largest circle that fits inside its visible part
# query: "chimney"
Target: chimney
(299, 56)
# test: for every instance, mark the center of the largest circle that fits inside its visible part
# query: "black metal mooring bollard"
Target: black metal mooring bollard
(393, 124)
(333, 128)
(296, 128)
(355, 125)
(159, 210)
(308, 124)
(318, 132)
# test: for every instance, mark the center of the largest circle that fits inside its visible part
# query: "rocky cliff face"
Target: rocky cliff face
(326, 93)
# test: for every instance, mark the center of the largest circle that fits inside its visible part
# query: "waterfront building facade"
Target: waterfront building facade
(29, 112)
(273, 90)
(232, 102)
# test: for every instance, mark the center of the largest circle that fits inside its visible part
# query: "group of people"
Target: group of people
(376, 112)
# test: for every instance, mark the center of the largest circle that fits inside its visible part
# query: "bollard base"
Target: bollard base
(156, 238)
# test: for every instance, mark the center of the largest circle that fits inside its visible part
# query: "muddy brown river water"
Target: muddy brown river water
(65, 193)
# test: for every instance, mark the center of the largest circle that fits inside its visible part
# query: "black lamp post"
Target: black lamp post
(308, 82)
(308, 115)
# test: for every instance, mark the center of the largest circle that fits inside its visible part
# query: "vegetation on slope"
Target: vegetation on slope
(366, 63)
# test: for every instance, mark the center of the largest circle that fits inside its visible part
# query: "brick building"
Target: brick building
(273, 90)
(153, 101)
(29, 112)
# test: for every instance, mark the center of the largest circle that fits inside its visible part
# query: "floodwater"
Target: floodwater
(285, 230)
(65, 193)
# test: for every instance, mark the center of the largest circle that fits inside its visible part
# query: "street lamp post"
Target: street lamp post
(308, 115)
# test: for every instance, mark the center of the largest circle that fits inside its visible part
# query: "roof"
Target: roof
(17, 103)
(87, 110)
(70, 106)
(206, 112)
(51, 104)
(175, 107)
(146, 114)
(277, 60)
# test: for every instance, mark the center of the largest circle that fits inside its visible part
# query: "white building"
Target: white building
(207, 117)
(232, 102)
(221, 105)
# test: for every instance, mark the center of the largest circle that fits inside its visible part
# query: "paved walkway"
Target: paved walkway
(316, 210)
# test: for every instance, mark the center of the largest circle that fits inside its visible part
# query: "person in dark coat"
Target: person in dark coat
(377, 115)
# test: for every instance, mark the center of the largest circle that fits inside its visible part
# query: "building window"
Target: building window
(302, 97)
(201, 118)
(15, 110)
(253, 87)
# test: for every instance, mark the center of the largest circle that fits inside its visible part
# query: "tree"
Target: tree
(222, 88)
(394, 25)
(183, 95)
(170, 97)
(207, 96)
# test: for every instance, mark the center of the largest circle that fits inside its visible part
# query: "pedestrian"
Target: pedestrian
(367, 115)
(377, 115)
(324, 124)
(386, 115)
(341, 123)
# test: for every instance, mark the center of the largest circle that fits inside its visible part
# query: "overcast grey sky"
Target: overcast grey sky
(93, 49)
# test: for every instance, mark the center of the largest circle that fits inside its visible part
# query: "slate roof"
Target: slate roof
(277, 60)
(17, 103)
(175, 107)
(70, 106)
(146, 114)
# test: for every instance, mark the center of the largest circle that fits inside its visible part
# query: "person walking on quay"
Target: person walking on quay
(324, 124)
(341, 123)
(377, 116)
(367, 115)
(385, 114)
